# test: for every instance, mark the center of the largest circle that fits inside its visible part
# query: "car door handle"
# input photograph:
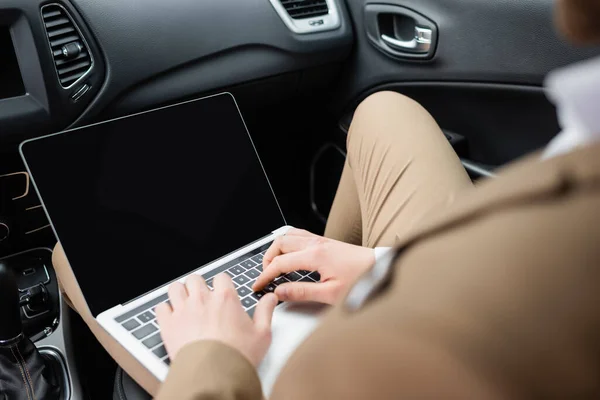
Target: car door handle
(400, 32)
(421, 43)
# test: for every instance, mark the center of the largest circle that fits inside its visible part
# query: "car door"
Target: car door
(477, 65)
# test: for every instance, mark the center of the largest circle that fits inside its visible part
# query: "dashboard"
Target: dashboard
(67, 61)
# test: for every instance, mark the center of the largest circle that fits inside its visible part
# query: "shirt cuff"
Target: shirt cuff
(380, 252)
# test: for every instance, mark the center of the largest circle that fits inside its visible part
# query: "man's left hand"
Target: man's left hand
(196, 313)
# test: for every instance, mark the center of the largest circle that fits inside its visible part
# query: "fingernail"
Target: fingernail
(281, 292)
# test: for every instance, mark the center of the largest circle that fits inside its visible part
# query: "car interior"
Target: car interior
(297, 69)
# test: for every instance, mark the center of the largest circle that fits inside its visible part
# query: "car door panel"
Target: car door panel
(484, 80)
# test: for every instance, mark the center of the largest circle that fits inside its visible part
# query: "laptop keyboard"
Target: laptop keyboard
(141, 322)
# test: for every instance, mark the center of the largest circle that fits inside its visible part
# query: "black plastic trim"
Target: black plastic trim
(208, 43)
(46, 106)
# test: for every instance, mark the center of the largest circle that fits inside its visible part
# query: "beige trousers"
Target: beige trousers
(399, 167)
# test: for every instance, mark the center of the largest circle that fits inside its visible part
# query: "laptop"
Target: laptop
(141, 201)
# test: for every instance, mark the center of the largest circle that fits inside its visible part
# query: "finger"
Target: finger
(307, 291)
(177, 294)
(285, 244)
(163, 312)
(196, 286)
(223, 283)
(299, 232)
(283, 264)
(264, 312)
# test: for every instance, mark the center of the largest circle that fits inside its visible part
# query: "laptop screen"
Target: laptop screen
(139, 201)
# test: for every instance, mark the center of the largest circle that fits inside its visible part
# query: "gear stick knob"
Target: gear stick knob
(11, 328)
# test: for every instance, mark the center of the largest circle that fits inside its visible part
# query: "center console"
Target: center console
(44, 322)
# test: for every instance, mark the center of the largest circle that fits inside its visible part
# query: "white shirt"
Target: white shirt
(575, 91)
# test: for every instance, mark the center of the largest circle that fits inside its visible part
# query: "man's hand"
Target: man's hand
(196, 314)
(338, 263)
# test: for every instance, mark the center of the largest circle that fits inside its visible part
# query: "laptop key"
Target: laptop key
(160, 352)
(248, 264)
(236, 270)
(259, 267)
(280, 280)
(131, 324)
(209, 283)
(248, 302)
(252, 273)
(258, 295)
(167, 360)
(303, 272)
(144, 331)
(146, 317)
(270, 288)
(307, 279)
(241, 280)
(316, 276)
(152, 341)
(231, 275)
(250, 312)
(258, 258)
(293, 276)
(243, 291)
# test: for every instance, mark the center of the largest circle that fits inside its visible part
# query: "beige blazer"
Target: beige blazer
(498, 296)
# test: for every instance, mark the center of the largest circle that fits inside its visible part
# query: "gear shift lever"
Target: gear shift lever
(24, 374)
(11, 329)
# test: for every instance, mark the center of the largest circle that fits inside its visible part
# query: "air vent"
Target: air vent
(300, 9)
(69, 50)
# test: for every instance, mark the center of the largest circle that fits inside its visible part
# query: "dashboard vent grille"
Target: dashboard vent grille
(71, 55)
(300, 9)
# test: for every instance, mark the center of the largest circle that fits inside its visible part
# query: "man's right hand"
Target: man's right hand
(338, 263)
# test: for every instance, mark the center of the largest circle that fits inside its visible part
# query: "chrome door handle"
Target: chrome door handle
(421, 43)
